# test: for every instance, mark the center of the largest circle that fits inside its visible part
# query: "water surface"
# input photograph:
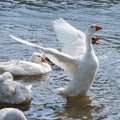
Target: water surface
(32, 20)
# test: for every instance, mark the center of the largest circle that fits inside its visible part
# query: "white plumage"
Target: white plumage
(13, 92)
(77, 58)
(35, 66)
(11, 114)
(73, 40)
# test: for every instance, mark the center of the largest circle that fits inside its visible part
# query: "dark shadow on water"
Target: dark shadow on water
(78, 108)
(23, 106)
(32, 77)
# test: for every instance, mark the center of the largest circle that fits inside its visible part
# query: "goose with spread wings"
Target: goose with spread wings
(77, 58)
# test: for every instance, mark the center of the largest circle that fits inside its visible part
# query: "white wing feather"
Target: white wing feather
(73, 39)
(65, 61)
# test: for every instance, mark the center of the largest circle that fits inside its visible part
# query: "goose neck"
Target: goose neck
(89, 47)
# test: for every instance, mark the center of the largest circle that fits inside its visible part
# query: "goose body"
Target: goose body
(37, 65)
(84, 74)
(77, 58)
(11, 114)
(13, 92)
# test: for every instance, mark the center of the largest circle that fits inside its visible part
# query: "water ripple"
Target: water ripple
(32, 20)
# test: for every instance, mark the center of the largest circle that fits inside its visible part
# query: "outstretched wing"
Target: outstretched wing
(65, 61)
(73, 40)
(25, 42)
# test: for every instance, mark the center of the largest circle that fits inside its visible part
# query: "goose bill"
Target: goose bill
(98, 27)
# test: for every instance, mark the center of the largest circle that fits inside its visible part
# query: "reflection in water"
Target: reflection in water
(78, 107)
(32, 78)
(24, 106)
(32, 20)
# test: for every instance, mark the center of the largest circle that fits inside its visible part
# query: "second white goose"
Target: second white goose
(36, 66)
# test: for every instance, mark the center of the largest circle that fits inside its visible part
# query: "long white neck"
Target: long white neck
(89, 48)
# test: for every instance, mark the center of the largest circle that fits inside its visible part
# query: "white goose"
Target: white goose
(37, 65)
(13, 92)
(11, 114)
(77, 58)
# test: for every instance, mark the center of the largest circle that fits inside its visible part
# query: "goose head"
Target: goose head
(92, 29)
(6, 76)
(37, 58)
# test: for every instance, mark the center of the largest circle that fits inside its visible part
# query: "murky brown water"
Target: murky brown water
(32, 20)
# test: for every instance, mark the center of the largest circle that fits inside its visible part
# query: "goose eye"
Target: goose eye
(92, 26)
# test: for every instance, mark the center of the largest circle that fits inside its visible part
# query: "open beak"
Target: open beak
(98, 27)
(95, 40)
(43, 60)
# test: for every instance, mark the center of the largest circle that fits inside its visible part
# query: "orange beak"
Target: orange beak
(98, 27)
(95, 40)
(43, 60)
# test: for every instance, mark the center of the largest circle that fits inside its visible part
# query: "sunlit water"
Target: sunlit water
(32, 20)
